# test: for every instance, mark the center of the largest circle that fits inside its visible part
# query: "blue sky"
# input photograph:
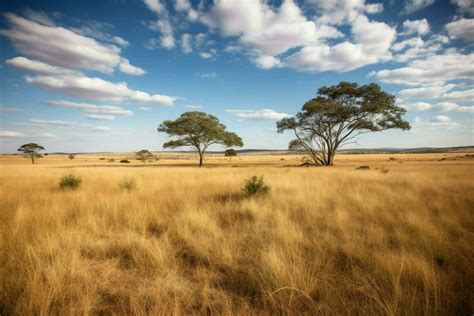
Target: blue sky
(101, 75)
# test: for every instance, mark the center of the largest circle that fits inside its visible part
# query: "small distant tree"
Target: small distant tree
(144, 155)
(199, 130)
(230, 153)
(337, 115)
(71, 157)
(31, 150)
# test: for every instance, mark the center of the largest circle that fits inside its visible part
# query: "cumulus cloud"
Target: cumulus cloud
(438, 107)
(416, 47)
(465, 6)
(11, 134)
(419, 27)
(192, 107)
(38, 66)
(60, 123)
(162, 24)
(258, 115)
(125, 67)
(412, 6)
(450, 65)
(462, 29)
(60, 47)
(97, 89)
(4, 108)
(106, 112)
(267, 32)
(186, 43)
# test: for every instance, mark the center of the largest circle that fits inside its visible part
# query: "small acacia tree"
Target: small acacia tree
(31, 150)
(230, 153)
(337, 115)
(144, 155)
(199, 130)
(71, 157)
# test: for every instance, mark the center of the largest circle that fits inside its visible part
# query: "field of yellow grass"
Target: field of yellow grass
(397, 239)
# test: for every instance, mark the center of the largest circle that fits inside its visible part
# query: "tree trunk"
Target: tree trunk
(200, 158)
(32, 159)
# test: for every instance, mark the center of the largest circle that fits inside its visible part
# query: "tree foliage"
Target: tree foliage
(337, 115)
(144, 155)
(31, 150)
(230, 153)
(199, 130)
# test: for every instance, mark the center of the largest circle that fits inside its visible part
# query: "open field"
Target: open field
(327, 240)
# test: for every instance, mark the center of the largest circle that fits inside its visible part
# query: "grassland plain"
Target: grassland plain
(186, 240)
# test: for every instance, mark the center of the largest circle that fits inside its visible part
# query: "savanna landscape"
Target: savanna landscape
(237, 157)
(396, 239)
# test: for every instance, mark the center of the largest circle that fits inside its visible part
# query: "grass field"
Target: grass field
(397, 239)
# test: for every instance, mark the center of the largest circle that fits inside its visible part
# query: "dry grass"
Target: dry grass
(186, 240)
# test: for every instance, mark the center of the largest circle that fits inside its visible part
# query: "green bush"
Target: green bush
(70, 182)
(256, 187)
(128, 184)
(124, 161)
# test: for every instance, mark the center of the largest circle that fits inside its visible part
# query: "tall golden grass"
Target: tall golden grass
(188, 241)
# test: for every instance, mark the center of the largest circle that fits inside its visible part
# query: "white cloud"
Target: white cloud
(162, 24)
(267, 32)
(9, 109)
(95, 30)
(267, 62)
(450, 65)
(155, 6)
(418, 27)
(441, 118)
(416, 47)
(465, 6)
(205, 55)
(59, 123)
(208, 75)
(192, 107)
(125, 67)
(438, 107)
(97, 89)
(101, 117)
(11, 134)
(59, 46)
(145, 108)
(427, 91)
(463, 29)
(38, 66)
(186, 43)
(412, 6)
(258, 115)
(92, 110)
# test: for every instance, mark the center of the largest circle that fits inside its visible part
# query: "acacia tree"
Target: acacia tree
(144, 155)
(199, 130)
(230, 153)
(71, 157)
(31, 150)
(337, 116)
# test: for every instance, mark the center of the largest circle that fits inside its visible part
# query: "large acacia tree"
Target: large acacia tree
(199, 130)
(337, 115)
(31, 150)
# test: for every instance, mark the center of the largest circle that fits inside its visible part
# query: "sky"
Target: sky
(90, 76)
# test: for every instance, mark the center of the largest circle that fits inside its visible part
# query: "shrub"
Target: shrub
(124, 161)
(70, 182)
(128, 184)
(363, 168)
(111, 160)
(255, 186)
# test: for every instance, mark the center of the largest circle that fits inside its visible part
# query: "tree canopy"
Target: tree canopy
(144, 155)
(337, 115)
(31, 150)
(199, 130)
